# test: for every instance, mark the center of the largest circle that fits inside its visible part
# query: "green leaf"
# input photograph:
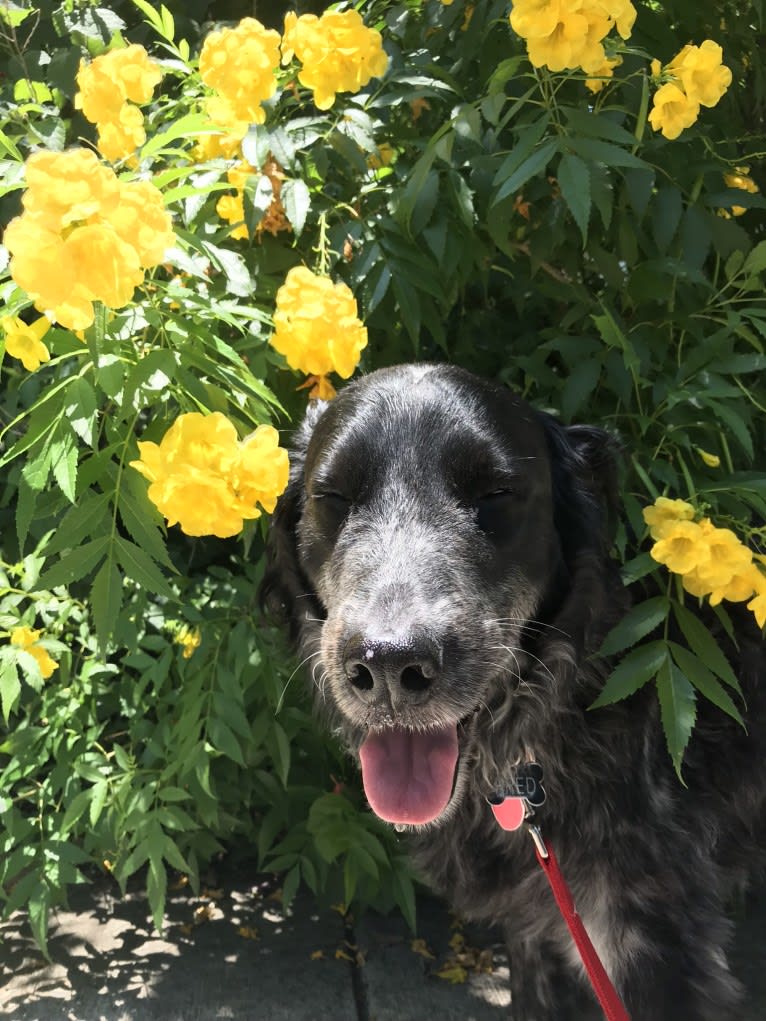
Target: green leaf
(638, 667)
(281, 748)
(142, 569)
(99, 792)
(704, 681)
(296, 199)
(10, 686)
(604, 152)
(85, 518)
(75, 565)
(705, 647)
(156, 889)
(678, 709)
(756, 260)
(223, 740)
(290, 885)
(76, 808)
(637, 624)
(667, 208)
(105, 600)
(538, 161)
(580, 384)
(64, 464)
(80, 410)
(574, 180)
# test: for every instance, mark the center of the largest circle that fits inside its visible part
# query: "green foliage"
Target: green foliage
(483, 212)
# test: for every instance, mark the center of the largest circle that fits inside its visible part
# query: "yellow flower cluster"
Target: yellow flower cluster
(740, 179)
(712, 561)
(337, 51)
(232, 207)
(109, 87)
(207, 481)
(26, 638)
(84, 235)
(25, 341)
(190, 639)
(601, 74)
(316, 325)
(240, 64)
(563, 34)
(694, 77)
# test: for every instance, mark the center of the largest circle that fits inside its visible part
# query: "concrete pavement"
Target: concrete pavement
(232, 953)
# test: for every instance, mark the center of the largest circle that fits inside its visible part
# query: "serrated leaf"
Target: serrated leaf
(76, 808)
(80, 410)
(704, 681)
(156, 889)
(678, 709)
(282, 752)
(296, 199)
(531, 166)
(64, 464)
(637, 624)
(604, 152)
(81, 520)
(98, 800)
(290, 885)
(10, 686)
(756, 260)
(705, 647)
(142, 569)
(76, 564)
(580, 384)
(105, 601)
(635, 670)
(223, 740)
(574, 181)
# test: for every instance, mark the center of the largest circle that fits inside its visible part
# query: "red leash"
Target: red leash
(608, 997)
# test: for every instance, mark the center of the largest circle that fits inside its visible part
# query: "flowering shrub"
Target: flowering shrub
(201, 227)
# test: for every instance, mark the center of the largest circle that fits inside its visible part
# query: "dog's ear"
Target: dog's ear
(585, 466)
(285, 593)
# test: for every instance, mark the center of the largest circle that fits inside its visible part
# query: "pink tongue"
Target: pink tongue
(407, 774)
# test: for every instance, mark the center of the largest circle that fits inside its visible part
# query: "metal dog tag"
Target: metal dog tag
(526, 794)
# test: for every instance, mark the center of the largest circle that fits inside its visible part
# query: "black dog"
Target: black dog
(442, 552)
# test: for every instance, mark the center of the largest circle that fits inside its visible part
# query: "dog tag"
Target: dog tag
(526, 794)
(510, 813)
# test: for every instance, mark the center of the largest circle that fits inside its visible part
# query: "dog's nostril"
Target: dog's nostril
(414, 679)
(361, 677)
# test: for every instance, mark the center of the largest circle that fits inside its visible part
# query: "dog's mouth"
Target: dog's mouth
(408, 775)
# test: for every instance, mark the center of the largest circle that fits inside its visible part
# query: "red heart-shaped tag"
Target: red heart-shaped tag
(510, 813)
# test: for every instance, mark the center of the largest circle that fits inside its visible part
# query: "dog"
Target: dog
(443, 553)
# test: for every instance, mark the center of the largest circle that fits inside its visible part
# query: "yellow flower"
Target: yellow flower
(240, 64)
(84, 236)
(111, 79)
(232, 209)
(337, 51)
(190, 638)
(563, 34)
(262, 469)
(701, 72)
(120, 137)
(682, 548)
(142, 221)
(316, 325)
(64, 188)
(600, 74)
(203, 479)
(741, 180)
(665, 512)
(672, 111)
(758, 605)
(25, 341)
(214, 144)
(26, 638)
(726, 558)
(711, 460)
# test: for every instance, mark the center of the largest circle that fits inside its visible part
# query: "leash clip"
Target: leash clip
(537, 837)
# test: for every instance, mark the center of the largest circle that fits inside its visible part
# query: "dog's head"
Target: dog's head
(433, 525)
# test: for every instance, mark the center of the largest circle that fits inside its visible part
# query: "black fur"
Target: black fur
(440, 521)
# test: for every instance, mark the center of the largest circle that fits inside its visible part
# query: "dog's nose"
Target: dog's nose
(399, 671)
